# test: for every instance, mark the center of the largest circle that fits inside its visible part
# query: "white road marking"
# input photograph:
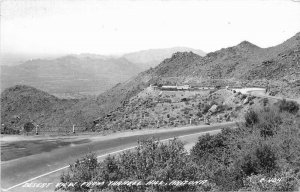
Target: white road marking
(99, 157)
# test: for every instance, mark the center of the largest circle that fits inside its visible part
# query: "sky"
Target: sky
(33, 27)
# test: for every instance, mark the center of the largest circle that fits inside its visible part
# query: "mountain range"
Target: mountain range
(83, 74)
(244, 64)
(152, 57)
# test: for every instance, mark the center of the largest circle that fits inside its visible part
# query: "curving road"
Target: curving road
(46, 166)
(261, 92)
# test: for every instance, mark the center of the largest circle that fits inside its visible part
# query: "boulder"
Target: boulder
(213, 108)
(246, 100)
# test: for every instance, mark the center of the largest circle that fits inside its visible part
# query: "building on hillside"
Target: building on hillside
(175, 87)
(206, 88)
(169, 87)
(154, 87)
(183, 87)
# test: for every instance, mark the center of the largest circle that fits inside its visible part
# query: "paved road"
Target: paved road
(47, 166)
(261, 92)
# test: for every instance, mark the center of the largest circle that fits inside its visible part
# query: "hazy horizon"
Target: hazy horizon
(52, 27)
(18, 58)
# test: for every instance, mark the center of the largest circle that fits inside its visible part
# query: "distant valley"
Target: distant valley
(69, 74)
(84, 75)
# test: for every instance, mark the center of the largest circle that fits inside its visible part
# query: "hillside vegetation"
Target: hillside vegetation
(155, 109)
(123, 105)
(262, 154)
(235, 66)
(238, 65)
(22, 104)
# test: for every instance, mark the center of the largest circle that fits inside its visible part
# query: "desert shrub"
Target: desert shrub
(256, 156)
(238, 108)
(228, 179)
(273, 93)
(199, 114)
(251, 118)
(282, 181)
(28, 127)
(205, 108)
(185, 99)
(212, 153)
(222, 108)
(266, 130)
(151, 160)
(243, 96)
(268, 147)
(83, 170)
(289, 106)
(265, 101)
(186, 110)
(269, 120)
(9, 130)
(266, 159)
(233, 114)
(211, 147)
(212, 91)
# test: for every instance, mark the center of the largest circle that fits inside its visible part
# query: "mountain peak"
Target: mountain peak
(247, 45)
(180, 55)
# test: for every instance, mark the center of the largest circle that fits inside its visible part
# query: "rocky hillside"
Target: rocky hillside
(156, 109)
(244, 64)
(21, 104)
(243, 61)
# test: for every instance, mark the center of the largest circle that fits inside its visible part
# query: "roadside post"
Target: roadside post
(74, 129)
(36, 129)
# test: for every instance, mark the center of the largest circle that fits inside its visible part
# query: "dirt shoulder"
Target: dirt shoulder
(99, 136)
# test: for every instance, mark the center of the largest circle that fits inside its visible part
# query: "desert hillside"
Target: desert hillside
(21, 104)
(276, 68)
(236, 65)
